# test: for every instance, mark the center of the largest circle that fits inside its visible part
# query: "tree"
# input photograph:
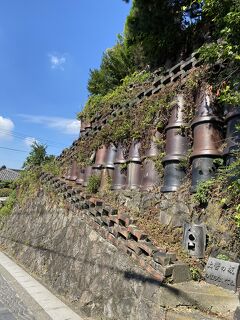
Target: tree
(37, 156)
(117, 63)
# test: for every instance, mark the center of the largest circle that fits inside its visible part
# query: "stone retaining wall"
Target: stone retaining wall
(74, 255)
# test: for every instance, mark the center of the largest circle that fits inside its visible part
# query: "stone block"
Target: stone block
(136, 234)
(123, 231)
(114, 219)
(147, 248)
(172, 256)
(93, 212)
(105, 221)
(166, 271)
(157, 82)
(125, 219)
(113, 231)
(164, 218)
(181, 272)
(154, 274)
(134, 247)
(162, 258)
(140, 95)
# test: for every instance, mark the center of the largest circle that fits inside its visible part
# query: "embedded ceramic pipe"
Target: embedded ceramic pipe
(174, 174)
(120, 173)
(176, 148)
(74, 171)
(153, 150)
(100, 157)
(87, 175)
(176, 144)
(119, 177)
(110, 156)
(134, 152)
(150, 176)
(120, 155)
(80, 178)
(134, 175)
(207, 139)
(177, 115)
(195, 239)
(204, 103)
(203, 169)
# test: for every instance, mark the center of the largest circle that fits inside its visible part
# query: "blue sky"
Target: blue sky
(46, 50)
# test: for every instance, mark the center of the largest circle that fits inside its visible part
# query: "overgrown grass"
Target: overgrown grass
(9, 204)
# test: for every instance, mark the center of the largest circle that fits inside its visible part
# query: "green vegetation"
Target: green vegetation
(117, 63)
(9, 204)
(203, 191)
(223, 257)
(6, 188)
(5, 192)
(101, 103)
(27, 185)
(94, 184)
(224, 189)
(195, 273)
(5, 184)
(37, 156)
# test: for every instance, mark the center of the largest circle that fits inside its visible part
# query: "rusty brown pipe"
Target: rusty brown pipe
(150, 176)
(120, 173)
(100, 157)
(80, 178)
(74, 171)
(119, 177)
(207, 139)
(177, 114)
(120, 155)
(134, 152)
(87, 175)
(134, 175)
(110, 156)
(176, 144)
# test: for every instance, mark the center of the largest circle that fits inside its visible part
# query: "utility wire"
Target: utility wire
(11, 149)
(22, 137)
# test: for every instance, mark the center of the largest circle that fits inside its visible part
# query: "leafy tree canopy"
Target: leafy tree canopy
(158, 33)
(37, 156)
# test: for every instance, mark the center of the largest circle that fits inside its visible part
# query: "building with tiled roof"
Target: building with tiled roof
(7, 174)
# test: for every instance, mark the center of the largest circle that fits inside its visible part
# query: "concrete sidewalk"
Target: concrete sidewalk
(24, 298)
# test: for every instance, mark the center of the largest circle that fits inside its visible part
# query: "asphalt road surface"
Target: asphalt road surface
(23, 298)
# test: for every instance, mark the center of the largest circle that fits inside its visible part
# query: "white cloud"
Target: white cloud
(66, 126)
(6, 128)
(57, 61)
(29, 141)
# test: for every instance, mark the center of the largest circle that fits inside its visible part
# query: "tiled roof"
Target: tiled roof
(9, 174)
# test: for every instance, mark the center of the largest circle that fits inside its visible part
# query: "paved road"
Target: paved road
(11, 305)
(24, 298)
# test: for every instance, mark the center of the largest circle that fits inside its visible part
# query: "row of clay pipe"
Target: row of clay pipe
(139, 172)
(132, 173)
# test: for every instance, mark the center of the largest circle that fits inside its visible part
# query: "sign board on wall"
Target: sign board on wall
(223, 273)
